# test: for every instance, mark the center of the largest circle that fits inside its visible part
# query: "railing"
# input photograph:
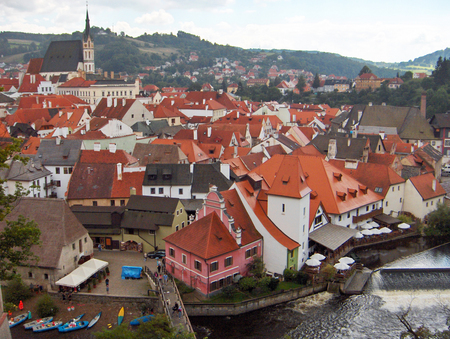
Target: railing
(186, 318)
(371, 214)
(49, 184)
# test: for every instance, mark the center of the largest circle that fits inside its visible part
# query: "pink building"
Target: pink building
(214, 249)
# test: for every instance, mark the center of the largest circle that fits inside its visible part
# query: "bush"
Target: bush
(263, 284)
(46, 307)
(289, 275)
(302, 278)
(273, 284)
(247, 284)
(16, 291)
(229, 292)
(9, 307)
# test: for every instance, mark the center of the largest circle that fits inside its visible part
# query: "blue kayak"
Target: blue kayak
(74, 320)
(141, 320)
(18, 320)
(47, 327)
(73, 326)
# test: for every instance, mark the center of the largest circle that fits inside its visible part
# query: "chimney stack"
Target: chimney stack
(115, 102)
(209, 131)
(332, 149)
(195, 134)
(433, 185)
(119, 171)
(239, 236)
(423, 105)
(108, 101)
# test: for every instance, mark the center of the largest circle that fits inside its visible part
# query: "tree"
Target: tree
(439, 222)
(316, 82)
(301, 84)
(257, 267)
(19, 235)
(364, 70)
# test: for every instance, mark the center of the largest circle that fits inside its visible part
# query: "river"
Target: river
(372, 314)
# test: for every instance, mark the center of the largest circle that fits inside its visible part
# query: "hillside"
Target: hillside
(126, 54)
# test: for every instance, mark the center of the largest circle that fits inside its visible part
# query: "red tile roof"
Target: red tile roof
(424, 185)
(34, 67)
(30, 83)
(106, 157)
(189, 147)
(31, 146)
(118, 112)
(206, 238)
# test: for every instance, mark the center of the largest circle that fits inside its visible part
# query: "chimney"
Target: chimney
(132, 190)
(332, 149)
(49, 104)
(209, 131)
(124, 102)
(195, 134)
(58, 140)
(108, 101)
(112, 74)
(370, 104)
(220, 91)
(119, 171)
(204, 101)
(239, 236)
(235, 153)
(105, 74)
(433, 185)
(88, 125)
(112, 147)
(115, 102)
(60, 113)
(423, 105)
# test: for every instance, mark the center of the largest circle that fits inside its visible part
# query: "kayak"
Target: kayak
(121, 315)
(73, 326)
(47, 327)
(74, 320)
(94, 320)
(18, 320)
(141, 320)
(31, 324)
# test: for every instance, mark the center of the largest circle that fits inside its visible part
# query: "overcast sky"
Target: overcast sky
(381, 30)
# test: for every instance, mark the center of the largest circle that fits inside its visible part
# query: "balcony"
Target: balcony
(49, 184)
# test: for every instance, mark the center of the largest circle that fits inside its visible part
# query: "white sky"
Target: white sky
(381, 30)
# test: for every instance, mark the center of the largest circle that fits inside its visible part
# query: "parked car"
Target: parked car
(159, 254)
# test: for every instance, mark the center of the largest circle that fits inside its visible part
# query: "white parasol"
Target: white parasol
(313, 262)
(347, 260)
(318, 256)
(341, 266)
(403, 226)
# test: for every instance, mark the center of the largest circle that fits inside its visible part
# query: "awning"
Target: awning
(332, 236)
(386, 220)
(82, 273)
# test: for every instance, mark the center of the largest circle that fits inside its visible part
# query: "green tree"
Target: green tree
(301, 84)
(364, 70)
(439, 222)
(316, 82)
(257, 267)
(46, 307)
(20, 235)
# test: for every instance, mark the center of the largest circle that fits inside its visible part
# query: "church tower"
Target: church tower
(88, 48)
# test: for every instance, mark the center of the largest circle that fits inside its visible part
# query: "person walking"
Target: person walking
(180, 311)
(107, 285)
(99, 247)
(166, 278)
(175, 308)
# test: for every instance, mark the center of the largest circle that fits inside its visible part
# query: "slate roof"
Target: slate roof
(146, 220)
(208, 174)
(63, 56)
(100, 219)
(206, 238)
(167, 175)
(346, 147)
(149, 128)
(152, 204)
(32, 170)
(58, 228)
(4, 99)
(332, 236)
(441, 120)
(65, 154)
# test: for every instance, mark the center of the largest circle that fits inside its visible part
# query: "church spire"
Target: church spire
(88, 26)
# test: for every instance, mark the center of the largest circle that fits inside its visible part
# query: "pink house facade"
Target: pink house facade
(209, 253)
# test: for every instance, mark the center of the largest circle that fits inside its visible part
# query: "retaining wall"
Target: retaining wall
(204, 309)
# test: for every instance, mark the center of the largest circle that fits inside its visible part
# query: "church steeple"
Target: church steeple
(88, 47)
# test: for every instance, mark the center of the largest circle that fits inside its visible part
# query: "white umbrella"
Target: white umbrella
(358, 235)
(341, 266)
(403, 226)
(366, 232)
(312, 262)
(366, 226)
(385, 230)
(318, 256)
(374, 224)
(376, 231)
(347, 260)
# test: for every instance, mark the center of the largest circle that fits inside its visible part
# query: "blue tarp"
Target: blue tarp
(131, 272)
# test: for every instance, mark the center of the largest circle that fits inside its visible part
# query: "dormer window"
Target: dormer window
(337, 175)
(341, 195)
(167, 174)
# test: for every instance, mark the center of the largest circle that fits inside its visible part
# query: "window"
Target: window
(178, 212)
(152, 190)
(367, 208)
(94, 203)
(75, 259)
(184, 258)
(180, 191)
(73, 246)
(181, 211)
(447, 142)
(304, 211)
(122, 202)
(182, 224)
(318, 219)
(66, 170)
(283, 208)
(401, 199)
(340, 218)
(432, 202)
(214, 266)
(161, 190)
(398, 188)
(427, 204)
(58, 183)
(387, 203)
(348, 215)
(130, 230)
(228, 261)
(198, 265)
(46, 276)
(247, 254)
(85, 240)
(113, 203)
(30, 274)
(57, 170)
(177, 227)
(214, 286)
(172, 252)
(374, 206)
(392, 189)
(132, 116)
(151, 232)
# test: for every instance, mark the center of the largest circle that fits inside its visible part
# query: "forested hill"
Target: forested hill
(116, 52)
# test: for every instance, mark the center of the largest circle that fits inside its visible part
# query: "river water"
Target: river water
(372, 314)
